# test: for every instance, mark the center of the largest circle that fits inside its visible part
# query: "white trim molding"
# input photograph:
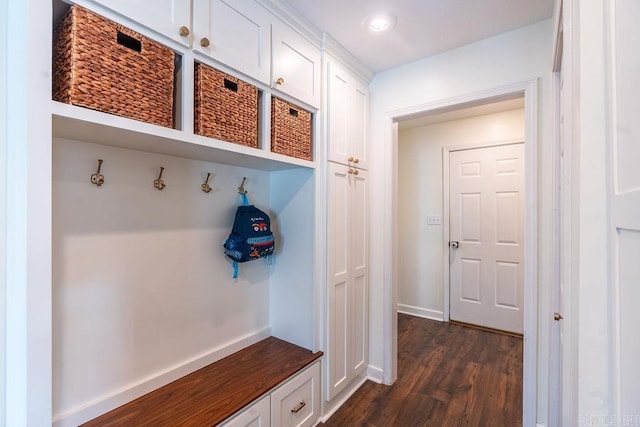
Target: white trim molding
(529, 89)
(374, 374)
(425, 313)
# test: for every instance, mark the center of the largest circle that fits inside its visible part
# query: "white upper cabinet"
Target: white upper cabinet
(169, 17)
(295, 64)
(235, 33)
(348, 114)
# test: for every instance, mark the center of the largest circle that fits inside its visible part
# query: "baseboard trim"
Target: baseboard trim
(421, 312)
(375, 374)
(337, 402)
(118, 398)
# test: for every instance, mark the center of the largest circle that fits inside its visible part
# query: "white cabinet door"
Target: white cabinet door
(348, 115)
(348, 276)
(295, 64)
(256, 415)
(339, 224)
(339, 90)
(297, 402)
(359, 269)
(359, 123)
(164, 16)
(236, 33)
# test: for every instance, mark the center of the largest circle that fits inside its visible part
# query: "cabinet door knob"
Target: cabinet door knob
(350, 159)
(350, 171)
(280, 81)
(204, 42)
(184, 31)
(355, 171)
(356, 160)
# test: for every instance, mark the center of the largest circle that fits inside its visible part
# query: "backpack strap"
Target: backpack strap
(235, 269)
(245, 202)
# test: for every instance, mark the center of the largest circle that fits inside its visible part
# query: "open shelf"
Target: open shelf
(77, 123)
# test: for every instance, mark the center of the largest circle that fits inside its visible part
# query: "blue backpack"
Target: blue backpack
(251, 237)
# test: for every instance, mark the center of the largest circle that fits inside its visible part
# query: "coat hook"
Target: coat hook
(205, 187)
(159, 183)
(97, 178)
(241, 189)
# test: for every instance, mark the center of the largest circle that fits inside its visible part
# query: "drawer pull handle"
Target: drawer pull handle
(299, 407)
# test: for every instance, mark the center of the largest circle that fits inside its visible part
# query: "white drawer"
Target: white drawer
(256, 415)
(297, 402)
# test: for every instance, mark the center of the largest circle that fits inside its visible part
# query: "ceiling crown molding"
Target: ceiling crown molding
(333, 48)
(291, 16)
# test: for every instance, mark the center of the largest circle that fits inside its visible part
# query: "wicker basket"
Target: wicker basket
(291, 130)
(104, 66)
(225, 108)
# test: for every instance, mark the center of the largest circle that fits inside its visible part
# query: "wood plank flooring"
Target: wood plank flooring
(448, 375)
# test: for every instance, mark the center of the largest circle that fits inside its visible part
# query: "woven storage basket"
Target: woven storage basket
(104, 66)
(226, 108)
(291, 132)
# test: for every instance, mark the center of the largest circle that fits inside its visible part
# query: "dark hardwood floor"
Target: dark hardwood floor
(448, 375)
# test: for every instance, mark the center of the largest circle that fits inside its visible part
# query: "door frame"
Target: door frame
(446, 267)
(530, 90)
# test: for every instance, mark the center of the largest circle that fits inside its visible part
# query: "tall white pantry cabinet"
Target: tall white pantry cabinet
(128, 277)
(348, 224)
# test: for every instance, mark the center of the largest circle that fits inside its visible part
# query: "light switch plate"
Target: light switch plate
(434, 220)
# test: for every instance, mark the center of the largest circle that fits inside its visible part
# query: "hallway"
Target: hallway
(448, 375)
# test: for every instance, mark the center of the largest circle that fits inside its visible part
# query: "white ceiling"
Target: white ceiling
(424, 27)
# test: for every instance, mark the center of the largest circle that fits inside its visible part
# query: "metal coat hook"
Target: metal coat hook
(205, 186)
(159, 183)
(97, 178)
(241, 189)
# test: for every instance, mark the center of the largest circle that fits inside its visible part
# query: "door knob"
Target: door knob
(557, 316)
(204, 42)
(184, 31)
(454, 245)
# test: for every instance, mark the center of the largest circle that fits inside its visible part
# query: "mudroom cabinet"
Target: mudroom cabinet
(140, 284)
(347, 101)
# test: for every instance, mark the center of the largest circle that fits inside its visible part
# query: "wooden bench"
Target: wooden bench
(214, 393)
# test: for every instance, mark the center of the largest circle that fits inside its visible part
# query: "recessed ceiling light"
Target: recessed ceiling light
(380, 22)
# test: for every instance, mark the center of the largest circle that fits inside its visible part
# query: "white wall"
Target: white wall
(508, 58)
(140, 282)
(420, 270)
(3, 205)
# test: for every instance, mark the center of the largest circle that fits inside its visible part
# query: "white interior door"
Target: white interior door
(486, 216)
(625, 204)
